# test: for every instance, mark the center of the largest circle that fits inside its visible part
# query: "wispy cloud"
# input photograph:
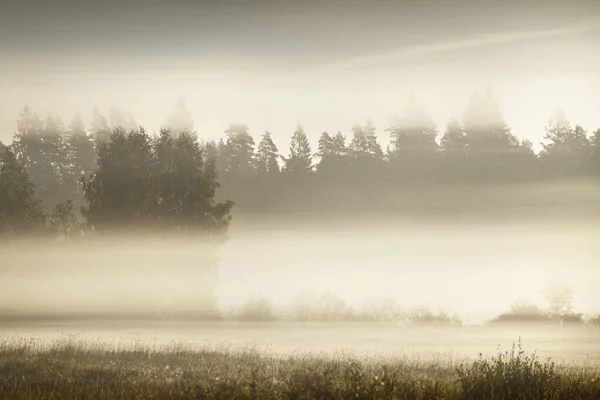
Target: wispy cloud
(406, 53)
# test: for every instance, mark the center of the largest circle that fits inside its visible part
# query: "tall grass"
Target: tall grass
(75, 370)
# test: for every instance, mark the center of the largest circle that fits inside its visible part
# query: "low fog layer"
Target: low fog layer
(474, 270)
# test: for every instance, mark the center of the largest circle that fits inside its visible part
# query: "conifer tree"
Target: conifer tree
(267, 155)
(300, 159)
(20, 211)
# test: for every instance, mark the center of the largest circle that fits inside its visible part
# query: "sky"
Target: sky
(272, 64)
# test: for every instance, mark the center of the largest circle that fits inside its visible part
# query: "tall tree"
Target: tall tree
(325, 152)
(238, 152)
(119, 192)
(267, 155)
(364, 143)
(81, 154)
(334, 155)
(221, 159)
(300, 159)
(413, 154)
(494, 152)
(211, 150)
(36, 148)
(565, 149)
(54, 149)
(484, 126)
(180, 120)
(20, 210)
(454, 164)
(454, 143)
(99, 129)
(185, 184)
(414, 134)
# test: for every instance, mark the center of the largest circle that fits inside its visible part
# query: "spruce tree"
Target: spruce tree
(453, 143)
(238, 152)
(81, 155)
(413, 135)
(20, 211)
(37, 148)
(267, 155)
(300, 159)
(99, 129)
(565, 149)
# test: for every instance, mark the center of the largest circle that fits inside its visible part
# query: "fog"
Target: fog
(464, 250)
(474, 263)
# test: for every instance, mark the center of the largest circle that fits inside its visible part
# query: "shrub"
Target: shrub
(424, 316)
(326, 307)
(257, 309)
(381, 310)
(522, 311)
(509, 375)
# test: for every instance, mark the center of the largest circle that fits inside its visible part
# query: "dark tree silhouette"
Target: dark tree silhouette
(20, 210)
(80, 155)
(565, 149)
(100, 131)
(413, 149)
(325, 153)
(237, 153)
(454, 143)
(366, 155)
(267, 155)
(480, 150)
(185, 185)
(119, 192)
(142, 186)
(485, 128)
(300, 160)
(38, 149)
(495, 154)
(413, 135)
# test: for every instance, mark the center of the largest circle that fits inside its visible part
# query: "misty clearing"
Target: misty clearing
(300, 200)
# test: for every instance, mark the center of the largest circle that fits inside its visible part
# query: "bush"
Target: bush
(424, 316)
(509, 375)
(326, 307)
(522, 311)
(381, 310)
(257, 309)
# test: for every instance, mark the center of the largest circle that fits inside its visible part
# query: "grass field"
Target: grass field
(80, 367)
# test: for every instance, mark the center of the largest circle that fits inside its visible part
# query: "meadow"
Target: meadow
(245, 360)
(75, 369)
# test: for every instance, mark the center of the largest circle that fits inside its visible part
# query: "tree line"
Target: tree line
(121, 175)
(124, 181)
(480, 148)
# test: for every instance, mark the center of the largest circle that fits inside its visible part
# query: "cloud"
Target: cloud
(387, 58)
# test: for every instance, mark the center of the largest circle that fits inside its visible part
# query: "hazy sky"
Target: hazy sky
(274, 63)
